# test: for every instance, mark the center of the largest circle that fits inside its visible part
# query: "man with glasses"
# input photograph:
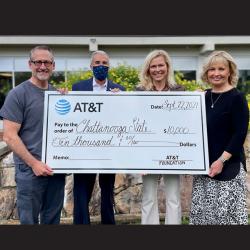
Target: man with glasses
(39, 192)
(84, 183)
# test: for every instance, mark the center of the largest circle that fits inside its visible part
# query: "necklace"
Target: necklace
(213, 102)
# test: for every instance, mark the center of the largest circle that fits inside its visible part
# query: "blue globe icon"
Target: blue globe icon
(62, 107)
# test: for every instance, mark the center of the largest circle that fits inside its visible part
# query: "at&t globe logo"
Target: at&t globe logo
(62, 107)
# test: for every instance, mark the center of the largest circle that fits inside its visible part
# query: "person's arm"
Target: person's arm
(239, 124)
(11, 137)
(217, 166)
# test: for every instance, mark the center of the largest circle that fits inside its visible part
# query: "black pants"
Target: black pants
(83, 188)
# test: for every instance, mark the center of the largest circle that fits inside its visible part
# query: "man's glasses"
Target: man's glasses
(39, 63)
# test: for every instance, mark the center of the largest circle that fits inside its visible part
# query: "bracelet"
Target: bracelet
(223, 160)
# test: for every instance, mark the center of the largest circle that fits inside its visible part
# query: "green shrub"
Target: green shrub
(189, 85)
(244, 87)
(124, 75)
(73, 77)
(248, 101)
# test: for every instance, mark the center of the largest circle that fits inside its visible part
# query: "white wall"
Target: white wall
(78, 57)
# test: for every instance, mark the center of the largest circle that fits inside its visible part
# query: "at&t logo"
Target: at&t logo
(62, 107)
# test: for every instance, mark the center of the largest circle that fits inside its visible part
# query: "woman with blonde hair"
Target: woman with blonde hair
(220, 197)
(157, 75)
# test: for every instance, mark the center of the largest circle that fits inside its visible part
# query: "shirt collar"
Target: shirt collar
(97, 86)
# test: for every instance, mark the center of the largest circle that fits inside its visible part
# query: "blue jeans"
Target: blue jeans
(39, 196)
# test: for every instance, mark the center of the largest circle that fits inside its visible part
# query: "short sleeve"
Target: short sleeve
(12, 108)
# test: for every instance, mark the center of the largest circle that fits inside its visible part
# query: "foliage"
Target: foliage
(125, 75)
(189, 85)
(122, 74)
(248, 101)
(244, 87)
(73, 77)
(128, 77)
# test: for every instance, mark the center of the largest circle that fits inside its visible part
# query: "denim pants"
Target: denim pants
(39, 198)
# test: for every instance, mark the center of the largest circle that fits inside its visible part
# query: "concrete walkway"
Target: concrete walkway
(121, 219)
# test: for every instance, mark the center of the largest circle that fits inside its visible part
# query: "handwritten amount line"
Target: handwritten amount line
(161, 142)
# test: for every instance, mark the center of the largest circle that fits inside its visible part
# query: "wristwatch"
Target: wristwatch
(223, 160)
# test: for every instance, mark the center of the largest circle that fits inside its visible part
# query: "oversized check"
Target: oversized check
(125, 132)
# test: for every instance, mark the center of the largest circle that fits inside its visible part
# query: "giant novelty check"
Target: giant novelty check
(125, 132)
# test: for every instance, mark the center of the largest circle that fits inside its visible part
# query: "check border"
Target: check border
(202, 170)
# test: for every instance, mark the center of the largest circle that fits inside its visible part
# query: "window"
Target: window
(56, 77)
(21, 77)
(187, 74)
(244, 81)
(5, 85)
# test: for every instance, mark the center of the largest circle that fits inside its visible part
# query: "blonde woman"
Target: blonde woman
(220, 197)
(157, 75)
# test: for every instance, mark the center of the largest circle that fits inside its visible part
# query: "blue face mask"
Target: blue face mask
(100, 72)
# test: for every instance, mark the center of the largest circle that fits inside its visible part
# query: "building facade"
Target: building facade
(72, 53)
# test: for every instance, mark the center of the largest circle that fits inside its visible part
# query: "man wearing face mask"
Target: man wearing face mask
(84, 183)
